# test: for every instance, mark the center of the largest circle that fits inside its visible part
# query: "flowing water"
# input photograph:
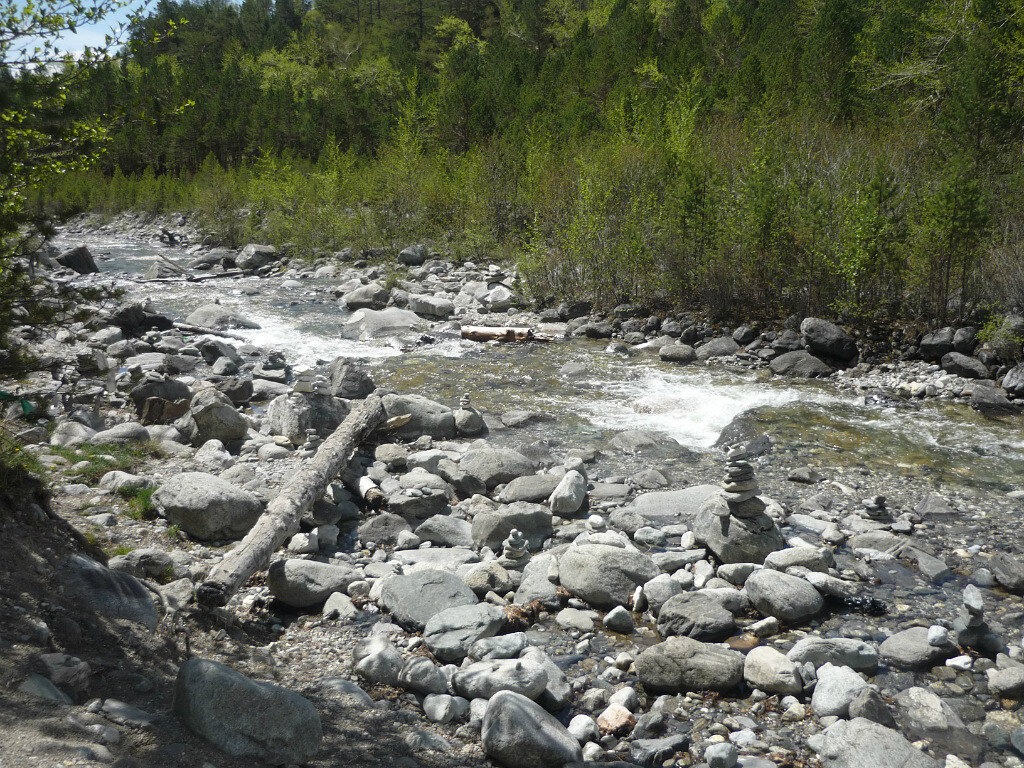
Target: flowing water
(820, 423)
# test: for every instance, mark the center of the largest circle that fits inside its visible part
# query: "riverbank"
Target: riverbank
(861, 553)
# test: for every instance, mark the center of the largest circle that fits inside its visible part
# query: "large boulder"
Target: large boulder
(783, 596)
(746, 538)
(835, 690)
(817, 651)
(245, 717)
(207, 507)
(936, 344)
(255, 256)
(305, 583)
(219, 318)
(164, 388)
(79, 259)
(349, 381)
(365, 324)
(494, 466)
(292, 414)
(518, 733)
(108, 593)
(431, 306)
(828, 339)
(923, 715)
(426, 417)
(212, 416)
(484, 679)
(604, 576)
(1013, 382)
(681, 664)
(964, 366)
(681, 506)
(694, 614)
(859, 742)
(910, 649)
(719, 347)
(413, 599)
(799, 363)
(369, 296)
(449, 634)
(491, 527)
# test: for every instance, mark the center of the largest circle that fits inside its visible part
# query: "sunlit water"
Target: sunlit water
(948, 442)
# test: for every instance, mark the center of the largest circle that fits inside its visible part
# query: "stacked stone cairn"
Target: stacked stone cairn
(734, 524)
(970, 630)
(515, 551)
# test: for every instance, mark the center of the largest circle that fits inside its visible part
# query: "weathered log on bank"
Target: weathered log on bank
(281, 520)
(503, 333)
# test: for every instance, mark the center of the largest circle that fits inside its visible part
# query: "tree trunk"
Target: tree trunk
(281, 520)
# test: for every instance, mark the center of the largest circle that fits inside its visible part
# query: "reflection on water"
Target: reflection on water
(693, 404)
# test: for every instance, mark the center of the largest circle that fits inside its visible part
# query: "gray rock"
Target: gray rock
(619, 620)
(78, 259)
(431, 306)
(570, 494)
(1007, 682)
(41, 688)
(734, 539)
(787, 598)
(681, 664)
(936, 344)
(446, 531)
(800, 363)
(349, 381)
(212, 416)
(442, 708)
(677, 353)
(413, 599)
(420, 675)
(910, 649)
(244, 717)
(828, 339)
(121, 434)
(450, 633)
(836, 688)
(219, 318)
(1013, 381)
(1008, 571)
(158, 386)
(604, 576)
(769, 670)
(557, 691)
(696, 614)
(483, 679)
(652, 752)
(255, 256)
(491, 527)
(367, 324)
(494, 466)
(112, 594)
(207, 507)
(428, 417)
(857, 743)
(535, 584)
(377, 662)
(293, 414)
(719, 347)
(856, 654)
(721, 755)
(383, 530)
(487, 577)
(963, 366)
(369, 296)
(869, 704)
(668, 507)
(923, 715)
(532, 488)
(305, 583)
(517, 733)
(642, 442)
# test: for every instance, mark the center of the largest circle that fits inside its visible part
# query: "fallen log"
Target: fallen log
(192, 278)
(506, 333)
(281, 520)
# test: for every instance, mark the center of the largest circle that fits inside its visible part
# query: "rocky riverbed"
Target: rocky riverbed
(551, 561)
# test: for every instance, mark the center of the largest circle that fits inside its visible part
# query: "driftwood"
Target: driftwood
(363, 487)
(504, 333)
(281, 520)
(189, 328)
(193, 278)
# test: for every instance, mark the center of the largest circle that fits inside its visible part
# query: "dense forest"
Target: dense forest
(858, 157)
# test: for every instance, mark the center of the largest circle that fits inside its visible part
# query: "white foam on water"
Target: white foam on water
(692, 409)
(304, 348)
